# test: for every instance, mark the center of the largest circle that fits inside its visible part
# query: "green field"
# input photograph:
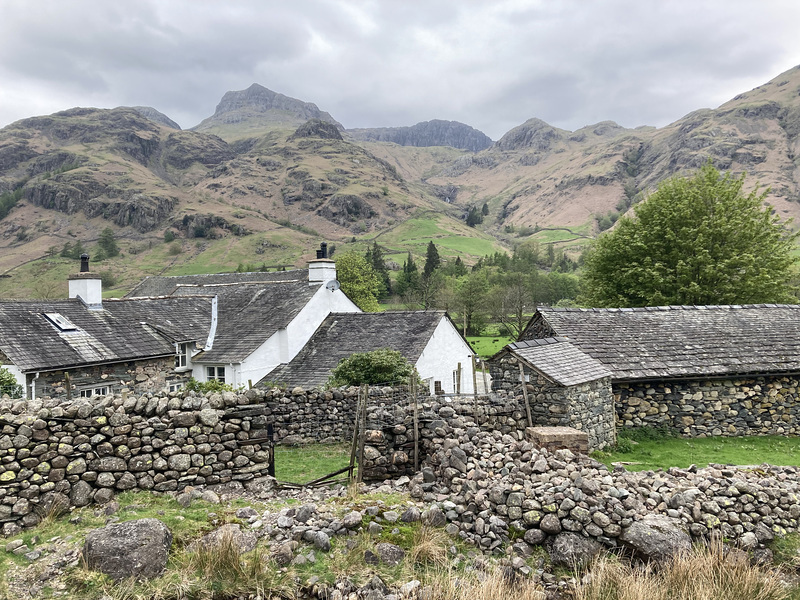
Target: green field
(648, 450)
(301, 464)
(487, 346)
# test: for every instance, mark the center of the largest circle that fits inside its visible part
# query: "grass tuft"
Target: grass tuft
(706, 573)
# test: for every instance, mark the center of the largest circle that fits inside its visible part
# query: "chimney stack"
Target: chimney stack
(86, 286)
(322, 269)
(84, 263)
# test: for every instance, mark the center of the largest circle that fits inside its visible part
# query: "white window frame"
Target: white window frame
(182, 357)
(215, 373)
(176, 386)
(100, 390)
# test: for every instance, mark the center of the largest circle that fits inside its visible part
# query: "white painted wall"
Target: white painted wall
(441, 356)
(284, 344)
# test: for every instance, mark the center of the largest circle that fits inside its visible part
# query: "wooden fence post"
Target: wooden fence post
(362, 433)
(354, 444)
(525, 394)
(416, 423)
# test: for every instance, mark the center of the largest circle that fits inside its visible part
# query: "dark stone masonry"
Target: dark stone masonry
(766, 405)
(588, 406)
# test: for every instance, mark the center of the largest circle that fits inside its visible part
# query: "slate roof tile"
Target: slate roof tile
(158, 285)
(115, 333)
(342, 334)
(249, 313)
(685, 341)
(559, 360)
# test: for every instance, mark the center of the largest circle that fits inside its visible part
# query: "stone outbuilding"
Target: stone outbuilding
(700, 370)
(564, 386)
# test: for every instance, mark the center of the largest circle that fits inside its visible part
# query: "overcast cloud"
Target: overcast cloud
(490, 64)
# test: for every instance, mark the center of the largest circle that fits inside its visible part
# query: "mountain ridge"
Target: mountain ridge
(263, 181)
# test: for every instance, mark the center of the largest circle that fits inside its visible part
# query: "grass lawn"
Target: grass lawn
(301, 464)
(486, 346)
(646, 451)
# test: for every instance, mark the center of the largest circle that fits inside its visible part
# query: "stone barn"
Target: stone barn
(700, 370)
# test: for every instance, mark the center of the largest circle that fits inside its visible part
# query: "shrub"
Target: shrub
(169, 236)
(207, 386)
(379, 366)
(9, 385)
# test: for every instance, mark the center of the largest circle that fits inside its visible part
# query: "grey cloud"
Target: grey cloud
(491, 65)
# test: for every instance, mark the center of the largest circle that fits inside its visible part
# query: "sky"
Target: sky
(491, 64)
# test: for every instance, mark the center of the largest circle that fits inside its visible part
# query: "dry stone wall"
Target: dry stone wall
(719, 407)
(55, 451)
(493, 487)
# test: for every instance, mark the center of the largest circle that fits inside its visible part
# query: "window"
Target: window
(437, 388)
(182, 356)
(98, 391)
(176, 387)
(61, 322)
(215, 374)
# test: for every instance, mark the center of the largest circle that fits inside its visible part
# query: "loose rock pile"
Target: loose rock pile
(491, 485)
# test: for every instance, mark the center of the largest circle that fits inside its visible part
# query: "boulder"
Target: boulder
(656, 538)
(137, 548)
(572, 550)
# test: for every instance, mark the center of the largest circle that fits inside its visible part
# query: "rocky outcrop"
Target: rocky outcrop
(346, 209)
(78, 191)
(148, 112)
(137, 548)
(316, 128)
(533, 134)
(184, 148)
(427, 133)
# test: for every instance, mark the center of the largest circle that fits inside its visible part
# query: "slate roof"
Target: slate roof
(342, 334)
(559, 360)
(179, 319)
(682, 341)
(166, 285)
(249, 314)
(115, 333)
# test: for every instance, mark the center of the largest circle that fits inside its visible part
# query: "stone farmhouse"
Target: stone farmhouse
(262, 319)
(702, 370)
(427, 339)
(87, 346)
(231, 327)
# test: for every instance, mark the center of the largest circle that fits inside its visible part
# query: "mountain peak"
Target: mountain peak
(258, 107)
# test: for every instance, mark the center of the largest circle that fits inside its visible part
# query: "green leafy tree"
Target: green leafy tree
(107, 243)
(358, 280)
(474, 216)
(432, 260)
(470, 302)
(9, 385)
(378, 366)
(485, 209)
(696, 240)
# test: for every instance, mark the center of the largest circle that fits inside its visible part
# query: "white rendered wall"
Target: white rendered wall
(441, 356)
(284, 345)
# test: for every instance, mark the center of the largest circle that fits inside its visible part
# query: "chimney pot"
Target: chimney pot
(323, 250)
(84, 263)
